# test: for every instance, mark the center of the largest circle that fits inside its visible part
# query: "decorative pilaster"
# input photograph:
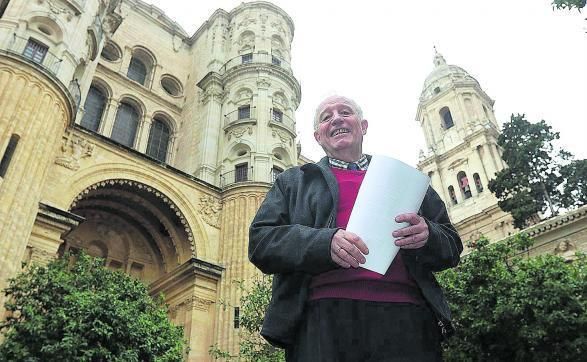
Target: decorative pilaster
(211, 126)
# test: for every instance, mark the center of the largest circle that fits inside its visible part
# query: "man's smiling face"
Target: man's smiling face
(340, 130)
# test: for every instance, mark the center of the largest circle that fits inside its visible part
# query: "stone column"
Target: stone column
(37, 110)
(212, 124)
(142, 137)
(240, 205)
(108, 118)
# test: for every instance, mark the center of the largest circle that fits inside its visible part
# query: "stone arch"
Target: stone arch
(103, 86)
(174, 198)
(148, 59)
(167, 119)
(244, 95)
(135, 102)
(280, 100)
(46, 26)
(281, 157)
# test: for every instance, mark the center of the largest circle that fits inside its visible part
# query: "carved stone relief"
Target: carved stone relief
(283, 136)
(73, 149)
(238, 132)
(209, 209)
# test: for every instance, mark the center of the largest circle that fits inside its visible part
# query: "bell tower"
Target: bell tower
(461, 133)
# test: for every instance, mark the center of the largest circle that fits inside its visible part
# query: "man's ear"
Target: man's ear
(364, 126)
(317, 137)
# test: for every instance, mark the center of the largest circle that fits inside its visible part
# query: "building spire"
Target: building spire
(438, 58)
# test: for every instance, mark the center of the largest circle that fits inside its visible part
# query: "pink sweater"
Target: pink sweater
(395, 286)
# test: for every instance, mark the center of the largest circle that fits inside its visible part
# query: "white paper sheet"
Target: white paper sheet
(390, 188)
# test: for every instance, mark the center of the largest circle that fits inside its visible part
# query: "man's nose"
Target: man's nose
(336, 118)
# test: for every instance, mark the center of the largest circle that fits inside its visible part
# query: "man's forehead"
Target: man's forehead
(330, 103)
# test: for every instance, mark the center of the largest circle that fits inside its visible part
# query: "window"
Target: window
(478, 184)
(452, 195)
(447, 121)
(276, 115)
(35, 51)
(464, 184)
(125, 125)
(8, 153)
(275, 60)
(244, 112)
(236, 320)
(111, 52)
(3, 6)
(158, 140)
(275, 171)
(137, 70)
(247, 58)
(241, 172)
(436, 90)
(93, 109)
(171, 85)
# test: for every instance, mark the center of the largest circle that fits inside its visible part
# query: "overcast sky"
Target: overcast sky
(527, 57)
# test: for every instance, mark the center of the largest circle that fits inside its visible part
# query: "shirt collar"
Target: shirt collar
(363, 163)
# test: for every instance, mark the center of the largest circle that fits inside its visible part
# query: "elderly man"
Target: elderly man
(324, 306)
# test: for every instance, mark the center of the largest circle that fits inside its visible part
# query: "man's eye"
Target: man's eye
(325, 118)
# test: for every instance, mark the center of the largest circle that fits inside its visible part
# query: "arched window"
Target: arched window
(137, 70)
(158, 140)
(464, 184)
(447, 121)
(453, 196)
(478, 184)
(125, 125)
(93, 109)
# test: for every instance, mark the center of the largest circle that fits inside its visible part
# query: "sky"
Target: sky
(526, 56)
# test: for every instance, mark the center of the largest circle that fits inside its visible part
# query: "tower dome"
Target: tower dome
(444, 76)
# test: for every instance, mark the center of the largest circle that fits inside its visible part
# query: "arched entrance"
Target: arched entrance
(136, 228)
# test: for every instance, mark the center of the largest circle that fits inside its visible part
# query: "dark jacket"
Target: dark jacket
(291, 234)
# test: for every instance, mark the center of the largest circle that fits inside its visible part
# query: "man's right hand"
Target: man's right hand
(347, 249)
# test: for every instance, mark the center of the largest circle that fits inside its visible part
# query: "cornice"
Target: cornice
(256, 68)
(556, 222)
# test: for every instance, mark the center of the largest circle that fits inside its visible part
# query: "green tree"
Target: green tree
(569, 4)
(531, 182)
(575, 186)
(253, 305)
(81, 311)
(510, 307)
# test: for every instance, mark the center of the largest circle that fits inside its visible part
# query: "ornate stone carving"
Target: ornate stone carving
(209, 209)
(263, 83)
(278, 27)
(193, 302)
(246, 22)
(73, 149)
(566, 249)
(57, 10)
(283, 136)
(238, 132)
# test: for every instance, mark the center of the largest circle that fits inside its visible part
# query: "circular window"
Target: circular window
(171, 85)
(111, 52)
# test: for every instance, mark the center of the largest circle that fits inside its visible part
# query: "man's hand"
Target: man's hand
(414, 236)
(347, 249)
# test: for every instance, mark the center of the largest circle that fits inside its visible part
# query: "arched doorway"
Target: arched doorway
(135, 227)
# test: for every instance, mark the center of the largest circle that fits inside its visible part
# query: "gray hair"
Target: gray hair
(354, 106)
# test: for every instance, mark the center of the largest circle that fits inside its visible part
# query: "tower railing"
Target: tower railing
(252, 58)
(49, 61)
(282, 119)
(236, 176)
(240, 116)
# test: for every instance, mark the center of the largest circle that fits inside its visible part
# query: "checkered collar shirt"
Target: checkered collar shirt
(363, 163)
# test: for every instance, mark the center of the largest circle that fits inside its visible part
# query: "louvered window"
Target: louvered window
(244, 112)
(158, 140)
(125, 125)
(93, 109)
(241, 172)
(35, 51)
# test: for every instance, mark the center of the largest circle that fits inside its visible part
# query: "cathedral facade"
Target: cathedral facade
(126, 137)
(123, 136)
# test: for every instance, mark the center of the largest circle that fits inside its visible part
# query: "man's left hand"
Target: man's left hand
(413, 236)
